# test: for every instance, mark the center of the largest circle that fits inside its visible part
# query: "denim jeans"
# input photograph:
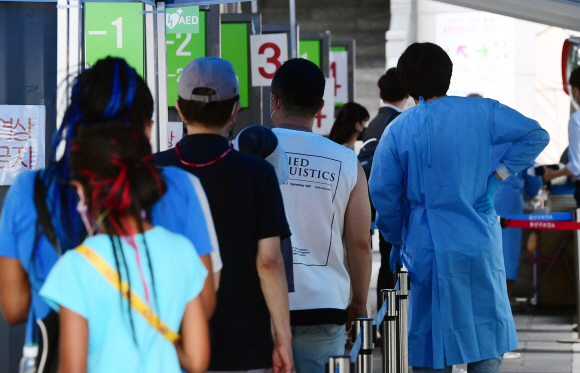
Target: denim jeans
(484, 366)
(312, 345)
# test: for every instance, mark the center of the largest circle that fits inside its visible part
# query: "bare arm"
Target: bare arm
(208, 291)
(270, 265)
(193, 348)
(74, 342)
(357, 227)
(15, 291)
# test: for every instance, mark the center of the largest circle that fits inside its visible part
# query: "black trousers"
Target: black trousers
(47, 359)
(386, 279)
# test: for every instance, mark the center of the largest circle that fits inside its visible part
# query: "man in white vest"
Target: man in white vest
(327, 205)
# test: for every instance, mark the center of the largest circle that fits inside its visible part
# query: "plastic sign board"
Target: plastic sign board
(115, 29)
(339, 71)
(181, 49)
(310, 50)
(174, 133)
(22, 129)
(182, 20)
(268, 53)
(324, 120)
(235, 49)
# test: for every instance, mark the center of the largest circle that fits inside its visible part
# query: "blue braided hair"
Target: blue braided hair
(109, 91)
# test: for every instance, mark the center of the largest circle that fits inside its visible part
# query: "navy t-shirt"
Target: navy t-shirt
(246, 205)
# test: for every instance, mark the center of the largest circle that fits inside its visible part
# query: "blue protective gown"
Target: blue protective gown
(509, 199)
(430, 167)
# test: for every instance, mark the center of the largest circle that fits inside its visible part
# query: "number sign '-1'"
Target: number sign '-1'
(115, 29)
(310, 50)
(235, 50)
(268, 53)
(181, 49)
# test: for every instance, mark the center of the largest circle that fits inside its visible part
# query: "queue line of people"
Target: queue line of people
(225, 287)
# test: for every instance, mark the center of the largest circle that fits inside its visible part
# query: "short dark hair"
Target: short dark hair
(300, 86)
(425, 70)
(390, 86)
(257, 140)
(344, 126)
(211, 114)
(575, 78)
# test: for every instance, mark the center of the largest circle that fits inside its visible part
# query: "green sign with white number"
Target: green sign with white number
(182, 20)
(115, 29)
(338, 48)
(310, 50)
(235, 49)
(181, 49)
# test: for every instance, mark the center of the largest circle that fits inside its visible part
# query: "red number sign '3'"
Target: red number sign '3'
(274, 60)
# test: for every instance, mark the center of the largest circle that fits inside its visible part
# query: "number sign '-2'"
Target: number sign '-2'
(114, 29)
(269, 52)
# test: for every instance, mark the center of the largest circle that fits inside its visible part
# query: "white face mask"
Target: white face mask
(272, 111)
(83, 210)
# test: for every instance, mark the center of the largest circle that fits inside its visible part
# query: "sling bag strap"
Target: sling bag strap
(44, 219)
(112, 276)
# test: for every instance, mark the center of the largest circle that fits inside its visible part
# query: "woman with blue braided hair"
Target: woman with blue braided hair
(39, 220)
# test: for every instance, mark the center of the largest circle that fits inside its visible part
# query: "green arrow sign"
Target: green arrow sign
(235, 49)
(310, 50)
(483, 51)
(181, 49)
(115, 29)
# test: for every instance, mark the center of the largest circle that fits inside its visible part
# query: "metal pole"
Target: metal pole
(293, 36)
(403, 300)
(341, 362)
(577, 257)
(389, 332)
(364, 362)
(162, 105)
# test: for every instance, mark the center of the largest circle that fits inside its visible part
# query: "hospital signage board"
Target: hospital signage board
(268, 52)
(310, 50)
(181, 49)
(339, 71)
(235, 48)
(182, 20)
(22, 129)
(324, 120)
(116, 30)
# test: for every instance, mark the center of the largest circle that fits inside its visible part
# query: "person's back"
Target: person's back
(432, 188)
(326, 198)
(248, 213)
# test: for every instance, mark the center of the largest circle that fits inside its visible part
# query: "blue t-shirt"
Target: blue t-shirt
(183, 209)
(179, 276)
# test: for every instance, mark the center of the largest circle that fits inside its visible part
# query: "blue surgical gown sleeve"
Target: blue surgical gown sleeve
(532, 184)
(527, 137)
(387, 188)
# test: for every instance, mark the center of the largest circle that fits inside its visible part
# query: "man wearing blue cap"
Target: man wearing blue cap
(248, 213)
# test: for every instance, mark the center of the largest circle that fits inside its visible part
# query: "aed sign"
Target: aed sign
(324, 120)
(339, 71)
(22, 130)
(268, 53)
(182, 20)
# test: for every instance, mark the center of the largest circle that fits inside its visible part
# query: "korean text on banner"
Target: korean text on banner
(269, 52)
(174, 133)
(21, 140)
(339, 71)
(324, 120)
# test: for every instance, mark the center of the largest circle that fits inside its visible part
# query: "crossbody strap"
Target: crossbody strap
(44, 218)
(137, 303)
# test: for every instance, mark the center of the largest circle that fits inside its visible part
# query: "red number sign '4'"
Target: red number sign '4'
(319, 117)
(274, 59)
(336, 85)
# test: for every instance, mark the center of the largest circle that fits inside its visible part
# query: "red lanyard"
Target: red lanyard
(221, 156)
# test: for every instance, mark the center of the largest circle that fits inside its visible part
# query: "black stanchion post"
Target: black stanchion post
(389, 332)
(339, 364)
(364, 362)
(403, 309)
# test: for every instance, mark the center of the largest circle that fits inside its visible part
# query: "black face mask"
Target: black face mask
(360, 134)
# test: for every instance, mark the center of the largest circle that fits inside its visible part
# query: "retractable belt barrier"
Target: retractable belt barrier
(556, 221)
(392, 319)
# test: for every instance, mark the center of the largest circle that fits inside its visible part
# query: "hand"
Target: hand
(395, 257)
(485, 204)
(282, 360)
(353, 312)
(549, 174)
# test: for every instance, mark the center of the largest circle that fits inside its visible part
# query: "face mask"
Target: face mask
(272, 112)
(83, 210)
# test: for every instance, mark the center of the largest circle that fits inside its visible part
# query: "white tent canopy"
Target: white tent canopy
(560, 13)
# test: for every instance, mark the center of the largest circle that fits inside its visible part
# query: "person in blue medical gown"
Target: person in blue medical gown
(433, 192)
(509, 199)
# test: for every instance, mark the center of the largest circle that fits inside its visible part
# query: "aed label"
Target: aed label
(182, 20)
